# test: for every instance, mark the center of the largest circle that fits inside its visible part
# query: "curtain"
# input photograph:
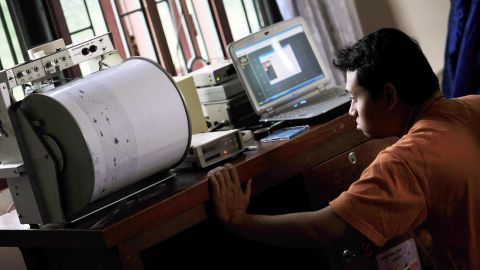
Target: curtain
(332, 23)
(269, 12)
(461, 75)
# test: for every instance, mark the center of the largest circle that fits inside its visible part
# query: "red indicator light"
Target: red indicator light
(225, 152)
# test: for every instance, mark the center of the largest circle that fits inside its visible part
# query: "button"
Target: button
(93, 48)
(85, 51)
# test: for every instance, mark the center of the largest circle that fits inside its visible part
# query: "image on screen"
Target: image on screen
(279, 64)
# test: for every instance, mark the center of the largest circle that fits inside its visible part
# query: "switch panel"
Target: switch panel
(56, 62)
(91, 48)
(28, 72)
(46, 66)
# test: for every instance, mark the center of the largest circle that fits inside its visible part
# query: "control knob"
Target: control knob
(93, 48)
(85, 51)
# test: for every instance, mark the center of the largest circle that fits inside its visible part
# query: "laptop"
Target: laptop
(283, 74)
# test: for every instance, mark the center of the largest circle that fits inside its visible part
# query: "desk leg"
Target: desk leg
(70, 258)
(129, 251)
(130, 257)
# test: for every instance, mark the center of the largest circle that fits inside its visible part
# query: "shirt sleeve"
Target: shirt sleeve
(386, 202)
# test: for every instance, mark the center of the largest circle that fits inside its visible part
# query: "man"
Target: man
(430, 177)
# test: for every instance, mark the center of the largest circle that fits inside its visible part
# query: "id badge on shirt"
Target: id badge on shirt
(401, 256)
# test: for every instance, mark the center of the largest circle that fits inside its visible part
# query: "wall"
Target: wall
(10, 257)
(5, 200)
(425, 20)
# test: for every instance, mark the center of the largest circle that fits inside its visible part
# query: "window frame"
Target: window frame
(12, 48)
(187, 35)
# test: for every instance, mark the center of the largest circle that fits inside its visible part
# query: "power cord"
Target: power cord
(11, 208)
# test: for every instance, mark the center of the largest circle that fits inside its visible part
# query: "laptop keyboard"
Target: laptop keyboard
(311, 105)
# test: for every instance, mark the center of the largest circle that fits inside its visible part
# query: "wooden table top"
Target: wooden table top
(270, 164)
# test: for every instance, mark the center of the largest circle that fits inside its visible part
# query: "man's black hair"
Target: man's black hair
(390, 56)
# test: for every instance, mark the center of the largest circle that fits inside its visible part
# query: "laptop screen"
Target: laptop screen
(278, 64)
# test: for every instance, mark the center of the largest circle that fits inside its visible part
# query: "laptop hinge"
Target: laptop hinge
(294, 101)
(268, 111)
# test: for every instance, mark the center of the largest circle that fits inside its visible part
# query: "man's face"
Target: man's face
(370, 113)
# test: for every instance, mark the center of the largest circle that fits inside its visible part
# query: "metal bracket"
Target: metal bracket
(11, 170)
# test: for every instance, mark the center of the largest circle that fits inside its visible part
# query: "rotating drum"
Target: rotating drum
(111, 129)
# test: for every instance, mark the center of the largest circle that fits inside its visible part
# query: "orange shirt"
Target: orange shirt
(430, 177)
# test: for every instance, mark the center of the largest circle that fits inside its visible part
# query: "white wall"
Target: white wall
(10, 257)
(425, 20)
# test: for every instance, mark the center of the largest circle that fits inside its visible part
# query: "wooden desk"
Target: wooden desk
(173, 209)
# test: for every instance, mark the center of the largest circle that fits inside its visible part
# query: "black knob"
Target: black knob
(85, 51)
(93, 48)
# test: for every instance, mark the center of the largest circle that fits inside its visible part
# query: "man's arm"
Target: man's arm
(305, 229)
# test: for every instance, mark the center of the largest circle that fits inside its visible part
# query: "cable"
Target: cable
(11, 208)
(102, 65)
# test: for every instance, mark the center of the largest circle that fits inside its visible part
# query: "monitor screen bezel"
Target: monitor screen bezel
(264, 34)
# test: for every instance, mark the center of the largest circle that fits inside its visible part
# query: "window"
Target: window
(181, 35)
(135, 28)
(241, 23)
(84, 20)
(10, 52)
(173, 42)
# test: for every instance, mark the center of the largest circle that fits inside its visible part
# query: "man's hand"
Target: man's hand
(230, 202)
(305, 229)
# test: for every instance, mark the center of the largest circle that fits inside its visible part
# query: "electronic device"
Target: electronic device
(49, 59)
(220, 92)
(214, 74)
(93, 142)
(236, 111)
(283, 74)
(285, 133)
(187, 87)
(213, 147)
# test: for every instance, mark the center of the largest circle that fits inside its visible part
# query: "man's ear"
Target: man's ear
(391, 95)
